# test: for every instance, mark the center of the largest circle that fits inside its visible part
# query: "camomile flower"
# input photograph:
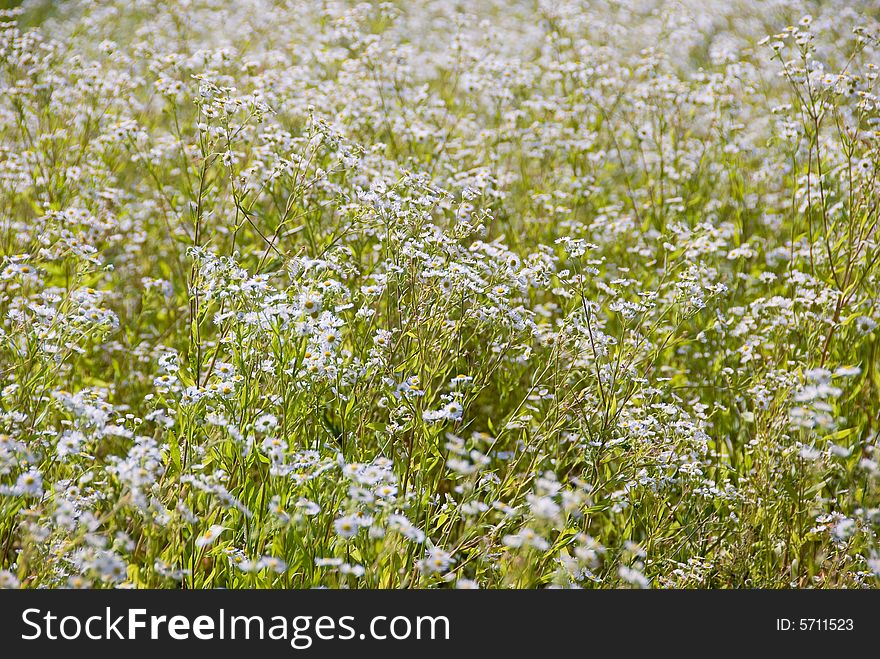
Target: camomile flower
(265, 423)
(209, 536)
(382, 338)
(224, 369)
(352, 569)
(406, 528)
(110, 567)
(272, 563)
(8, 580)
(346, 527)
(307, 507)
(526, 538)
(360, 494)
(311, 304)
(634, 576)
(453, 411)
(460, 380)
(70, 442)
(437, 560)
(23, 270)
(28, 484)
(225, 388)
(330, 338)
(78, 582)
(467, 584)
(371, 290)
(847, 371)
(386, 491)
(865, 325)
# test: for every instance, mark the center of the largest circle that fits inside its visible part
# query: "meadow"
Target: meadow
(492, 294)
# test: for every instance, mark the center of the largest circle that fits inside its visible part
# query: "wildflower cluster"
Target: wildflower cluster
(433, 294)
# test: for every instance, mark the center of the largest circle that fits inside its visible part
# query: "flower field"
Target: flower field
(492, 294)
